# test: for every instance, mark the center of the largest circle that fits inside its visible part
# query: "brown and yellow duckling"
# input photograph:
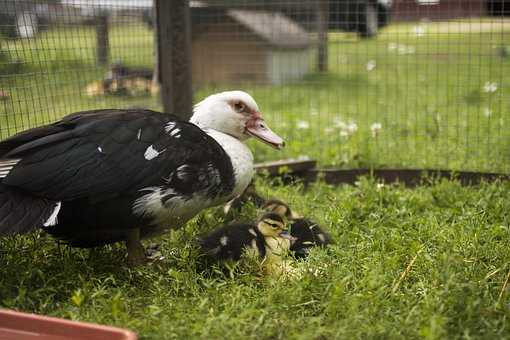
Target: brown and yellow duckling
(306, 232)
(268, 238)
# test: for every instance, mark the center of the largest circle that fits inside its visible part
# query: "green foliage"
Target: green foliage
(457, 236)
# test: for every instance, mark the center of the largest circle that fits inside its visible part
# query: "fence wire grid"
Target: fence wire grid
(351, 83)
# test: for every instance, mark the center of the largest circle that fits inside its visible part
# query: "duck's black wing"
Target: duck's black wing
(103, 153)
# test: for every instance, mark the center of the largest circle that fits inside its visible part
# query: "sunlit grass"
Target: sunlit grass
(457, 236)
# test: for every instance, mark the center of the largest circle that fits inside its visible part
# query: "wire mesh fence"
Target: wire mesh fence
(352, 83)
(59, 57)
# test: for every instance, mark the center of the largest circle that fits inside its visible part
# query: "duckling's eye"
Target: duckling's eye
(239, 107)
(273, 225)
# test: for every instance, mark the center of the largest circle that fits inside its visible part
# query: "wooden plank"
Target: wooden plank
(409, 177)
(174, 56)
(292, 166)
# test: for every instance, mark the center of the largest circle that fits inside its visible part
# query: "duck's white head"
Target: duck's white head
(237, 114)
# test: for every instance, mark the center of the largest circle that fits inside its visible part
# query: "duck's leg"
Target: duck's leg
(135, 251)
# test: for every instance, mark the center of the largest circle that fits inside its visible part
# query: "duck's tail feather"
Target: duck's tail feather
(21, 212)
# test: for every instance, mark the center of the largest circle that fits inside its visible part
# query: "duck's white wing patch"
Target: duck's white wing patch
(224, 240)
(6, 166)
(151, 153)
(227, 207)
(53, 220)
(322, 237)
(175, 133)
(169, 126)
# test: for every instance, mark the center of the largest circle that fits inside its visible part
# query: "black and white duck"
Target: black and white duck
(103, 176)
(306, 232)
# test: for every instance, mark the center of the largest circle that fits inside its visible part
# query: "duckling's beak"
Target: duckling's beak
(285, 234)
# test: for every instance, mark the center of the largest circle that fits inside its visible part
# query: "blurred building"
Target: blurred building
(233, 46)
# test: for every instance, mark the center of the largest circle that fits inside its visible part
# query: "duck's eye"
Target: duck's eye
(239, 107)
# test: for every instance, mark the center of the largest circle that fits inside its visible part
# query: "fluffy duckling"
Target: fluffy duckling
(307, 233)
(268, 238)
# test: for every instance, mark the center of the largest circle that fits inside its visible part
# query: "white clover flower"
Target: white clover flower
(392, 46)
(303, 124)
(404, 49)
(351, 128)
(487, 112)
(344, 133)
(419, 30)
(375, 128)
(328, 130)
(371, 65)
(339, 123)
(490, 87)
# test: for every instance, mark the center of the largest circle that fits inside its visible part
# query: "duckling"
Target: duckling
(268, 238)
(307, 233)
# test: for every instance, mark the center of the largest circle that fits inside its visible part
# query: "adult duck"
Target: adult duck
(103, 176)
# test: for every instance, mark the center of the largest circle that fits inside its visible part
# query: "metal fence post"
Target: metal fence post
(322, 33)
(102, 41)
(174, 56)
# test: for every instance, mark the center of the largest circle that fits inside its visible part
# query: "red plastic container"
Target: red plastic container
(23, 326)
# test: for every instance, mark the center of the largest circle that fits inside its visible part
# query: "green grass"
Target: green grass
(458, 237)
(427, 92)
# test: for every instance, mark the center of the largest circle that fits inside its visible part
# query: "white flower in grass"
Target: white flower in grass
(392, 46)
(344, 133)
(328, 130)
(303, 125)
(419, 30)
(375, 128)
(339, 123)
(487, 112)
(490, 87)
(404, 49)
(351, 128)
(314, 112)
(371, 65)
